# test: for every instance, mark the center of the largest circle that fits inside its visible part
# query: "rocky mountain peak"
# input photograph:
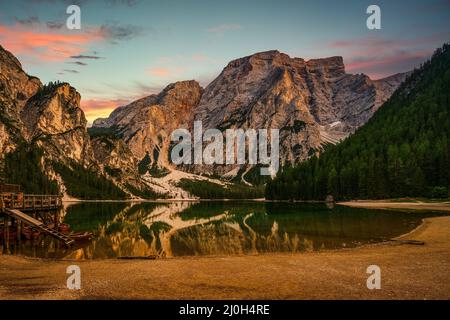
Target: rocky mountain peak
(54, 114)
(182, 93)
(332, 66)
(16, 85)
(147, 123)
(312, 103)
(16, 88)
(53, 110)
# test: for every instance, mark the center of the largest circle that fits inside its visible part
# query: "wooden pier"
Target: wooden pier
(17, 206)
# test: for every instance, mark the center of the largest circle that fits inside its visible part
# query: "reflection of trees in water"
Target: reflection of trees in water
(143, 232)
(235, 238)
(127, 234)
(185, 228)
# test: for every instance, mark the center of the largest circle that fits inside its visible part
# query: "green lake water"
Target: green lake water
(217, 228)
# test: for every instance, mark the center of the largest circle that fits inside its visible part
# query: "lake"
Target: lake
(217, 228)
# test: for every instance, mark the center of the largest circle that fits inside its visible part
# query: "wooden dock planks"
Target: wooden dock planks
(16, 214)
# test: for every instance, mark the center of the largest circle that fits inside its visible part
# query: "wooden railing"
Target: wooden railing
(29, 201)
(12, 188)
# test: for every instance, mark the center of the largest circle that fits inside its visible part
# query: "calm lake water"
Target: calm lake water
(217, 228)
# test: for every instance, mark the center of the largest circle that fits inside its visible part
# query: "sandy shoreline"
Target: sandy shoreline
(382, 204)
(408, 272)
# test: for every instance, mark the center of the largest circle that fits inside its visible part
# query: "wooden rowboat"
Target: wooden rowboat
(81, 236)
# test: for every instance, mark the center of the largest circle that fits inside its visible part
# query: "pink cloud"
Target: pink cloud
(377, 67)
(100, 108)
(379, 57)
(44, 44)
(199, 58)
(160, 72)
(166, 72)
(100, 104)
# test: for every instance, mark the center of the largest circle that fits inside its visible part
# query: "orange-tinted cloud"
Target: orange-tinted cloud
(386, 65)
(45, 44)
(379, 57)
(97, 108)
(166, 72)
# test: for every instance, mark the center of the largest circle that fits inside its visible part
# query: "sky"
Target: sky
(128, 49)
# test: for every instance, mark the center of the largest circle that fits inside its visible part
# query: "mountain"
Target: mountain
(313, 103)
(146, 124)
(16, 87)
(403, 151)
(53, 119)
(45, 145)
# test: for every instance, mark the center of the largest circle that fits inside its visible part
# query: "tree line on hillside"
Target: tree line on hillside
(211, 190)
(85, 183)
(25, 166)
(403, 151)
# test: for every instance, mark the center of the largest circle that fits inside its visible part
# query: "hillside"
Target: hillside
(46, 147)
(403, 151)
(311, 102)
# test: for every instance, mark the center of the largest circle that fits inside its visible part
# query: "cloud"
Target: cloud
(79, 63)
(83, 56)
(44, 44)
(145, 89)
(380, 57)
(54, 25)
(50, 41)
(166, 72)
(34, 20)
(221, 29)
(199, 58)
(71, 71)
(101, 104)
(99, 108)
(115, 32)
(160, 71)
(388, 64)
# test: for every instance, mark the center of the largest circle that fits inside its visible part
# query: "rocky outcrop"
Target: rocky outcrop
(16, 87)
(31, 112)
(116, 159)
(312, 103)
(146, 124)
(48, 118)
(53, 118)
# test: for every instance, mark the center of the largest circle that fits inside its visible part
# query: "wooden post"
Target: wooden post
(5, 228)
(18, 230)
(21, 229)
(7, 234)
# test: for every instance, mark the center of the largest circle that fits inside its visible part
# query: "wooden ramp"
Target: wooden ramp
(16, 214)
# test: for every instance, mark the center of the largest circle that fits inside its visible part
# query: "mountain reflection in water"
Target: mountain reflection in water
(218, 228)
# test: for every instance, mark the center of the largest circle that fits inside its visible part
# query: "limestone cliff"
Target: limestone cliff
(16, 87)
(145, 125)
(54, 120)
(49, 118)
(312, 103)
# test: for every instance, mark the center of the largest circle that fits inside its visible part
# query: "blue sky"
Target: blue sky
(127, 49)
